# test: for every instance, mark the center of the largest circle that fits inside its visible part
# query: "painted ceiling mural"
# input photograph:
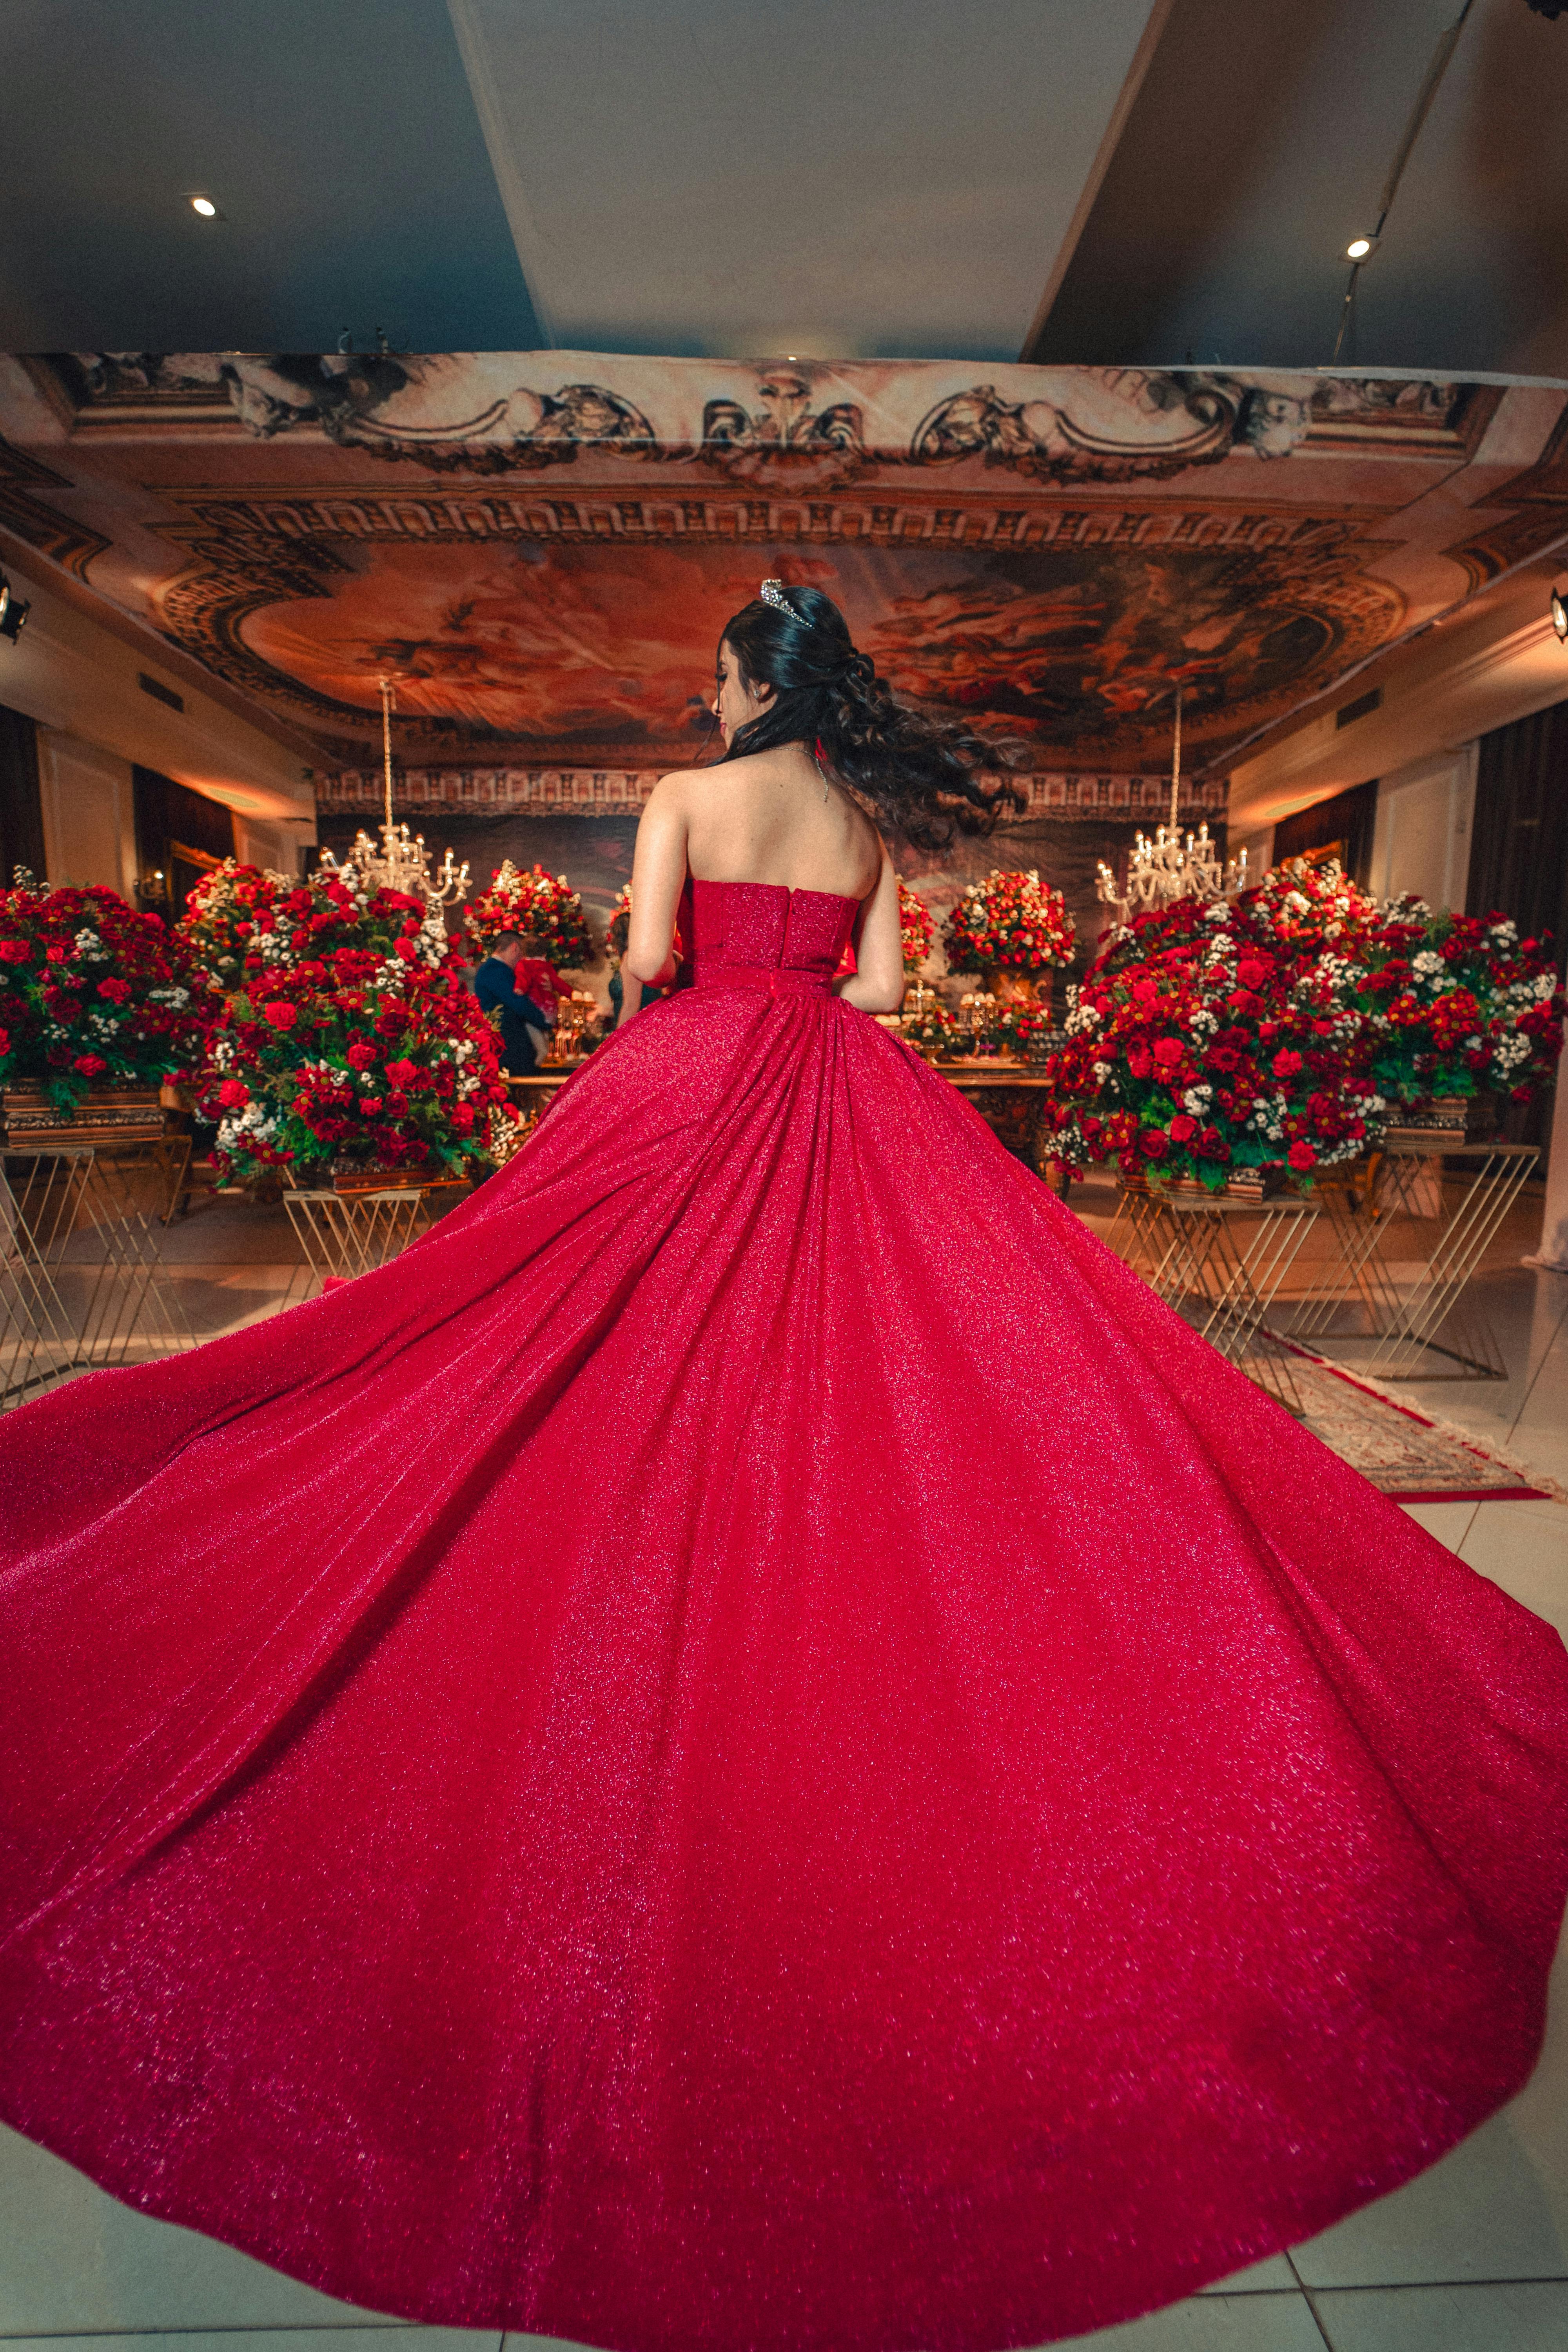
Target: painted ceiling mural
(541, 547)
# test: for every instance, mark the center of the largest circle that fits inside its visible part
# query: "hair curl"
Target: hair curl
(919, 773)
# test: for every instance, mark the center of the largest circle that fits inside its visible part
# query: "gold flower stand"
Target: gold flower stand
(1455, 1195)
(343, 1234)
(82, 1280)
(1219, 1260)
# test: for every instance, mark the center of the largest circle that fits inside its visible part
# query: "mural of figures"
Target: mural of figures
(576, 651)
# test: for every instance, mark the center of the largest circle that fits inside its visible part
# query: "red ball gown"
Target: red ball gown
(752, 1747)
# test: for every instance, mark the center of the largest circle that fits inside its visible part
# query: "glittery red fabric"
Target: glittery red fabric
(752, 1747)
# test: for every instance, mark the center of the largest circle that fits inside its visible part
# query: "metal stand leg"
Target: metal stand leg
(343, 1235)
(1225, 1289)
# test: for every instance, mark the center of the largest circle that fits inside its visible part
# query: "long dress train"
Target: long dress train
(752, 1747)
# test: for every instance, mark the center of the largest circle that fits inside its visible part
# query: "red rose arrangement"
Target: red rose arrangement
(1196, 1043)
(1013, 919)
(1452, 1005)
(90, 991)
(355, 1054)
(542, 906)
(243, 923)
(917, 929)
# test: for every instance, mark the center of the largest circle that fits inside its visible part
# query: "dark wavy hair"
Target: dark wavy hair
(917, 773)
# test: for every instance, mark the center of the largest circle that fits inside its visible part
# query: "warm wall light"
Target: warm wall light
(1558, 615)
(1359, 248)
(13, 611)
(205, 206)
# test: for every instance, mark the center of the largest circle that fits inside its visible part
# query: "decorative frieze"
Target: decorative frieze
(621, 792)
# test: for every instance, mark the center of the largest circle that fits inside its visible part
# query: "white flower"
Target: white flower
(1427, 963)
(1197, 1100)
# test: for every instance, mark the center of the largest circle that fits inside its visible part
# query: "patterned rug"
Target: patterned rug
(1405, 1452)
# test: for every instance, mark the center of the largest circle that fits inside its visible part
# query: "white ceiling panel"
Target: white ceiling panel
(834, 178)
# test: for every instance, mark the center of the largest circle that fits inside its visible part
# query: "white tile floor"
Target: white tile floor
(1472, 2257)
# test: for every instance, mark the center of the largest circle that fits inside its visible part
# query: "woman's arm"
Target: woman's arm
(659, 877)
(631, 998)
(876, 985)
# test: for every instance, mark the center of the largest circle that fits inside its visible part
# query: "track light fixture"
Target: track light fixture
(13, 611)
(1559, 616)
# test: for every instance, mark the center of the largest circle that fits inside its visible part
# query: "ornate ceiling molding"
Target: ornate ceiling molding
(65, 542)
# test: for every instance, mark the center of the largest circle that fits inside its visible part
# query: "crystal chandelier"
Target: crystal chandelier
(402, 862)
(1164, 869)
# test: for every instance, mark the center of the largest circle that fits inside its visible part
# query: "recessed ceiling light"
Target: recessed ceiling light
(1359, 248)
(1560, 615)
(205, 206)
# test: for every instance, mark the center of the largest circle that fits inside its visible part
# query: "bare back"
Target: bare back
(771, 817)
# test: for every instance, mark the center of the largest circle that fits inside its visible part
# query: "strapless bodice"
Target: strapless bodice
(745, 927)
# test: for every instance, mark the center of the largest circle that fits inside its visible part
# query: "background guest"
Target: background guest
(496, 985)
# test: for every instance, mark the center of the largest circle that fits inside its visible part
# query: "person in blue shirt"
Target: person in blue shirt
(495, 984)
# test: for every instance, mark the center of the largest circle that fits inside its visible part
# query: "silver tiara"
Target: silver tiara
(771, 591)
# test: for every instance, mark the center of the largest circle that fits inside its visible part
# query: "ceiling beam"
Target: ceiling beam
(1142, 57)
(525, 236)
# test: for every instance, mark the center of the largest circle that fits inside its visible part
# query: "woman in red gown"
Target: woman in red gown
(753, 1747)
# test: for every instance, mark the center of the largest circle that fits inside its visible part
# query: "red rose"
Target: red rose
(402, 1074)
(4, 1042)
(406, 948)
(1138, 1061)
(233, 1093)
(1182, 1128)
(1153, 1143)
(1212, 1144)
(1168, 1052)
(1252, 974)
(1285, 1064)
(280, 1016)
(14, 950)
(117, 991)
(360, 1055)
(396, 1106)
(370, 1106)
(57, 952)
(463, 1119)
(91, 1065)
(1302, 1155)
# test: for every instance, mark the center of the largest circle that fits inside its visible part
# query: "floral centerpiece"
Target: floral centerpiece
(1010, 921)
(1014, 1031)
(1456, 1006)
(1194, 1047)
(917, 929)
(935, 1032)
(542, 906)
(243, 921)
(355, 1056)
(1010, 928)
(94, 993)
